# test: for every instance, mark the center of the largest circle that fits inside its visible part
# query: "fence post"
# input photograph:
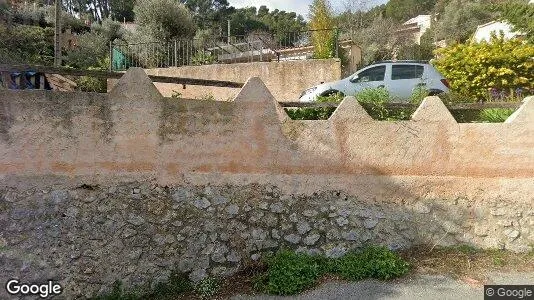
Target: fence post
(337, 41)
(175, 53)
(111, 56)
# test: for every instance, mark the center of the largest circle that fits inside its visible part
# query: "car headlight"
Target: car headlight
(308, 91)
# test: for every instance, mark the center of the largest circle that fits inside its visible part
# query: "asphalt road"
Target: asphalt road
(426, 287)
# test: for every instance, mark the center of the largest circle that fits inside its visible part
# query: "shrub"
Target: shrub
(372, 262)
(290, 273)
(91, 84)
(310, 113)
(374, 100)
(474, 69)
(316, 113)
(27, 44)
(202, 58)
(418, 95)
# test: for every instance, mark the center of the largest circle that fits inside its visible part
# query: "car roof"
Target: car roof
(400, 62)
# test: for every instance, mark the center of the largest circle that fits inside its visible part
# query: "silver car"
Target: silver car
(400, 78)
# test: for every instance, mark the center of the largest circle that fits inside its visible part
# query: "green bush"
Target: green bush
(202, 58)
(91, 84)
(374, 100)
(502, 65)
(27, 44)
(290, 273)
(418, 95)
(372, 262)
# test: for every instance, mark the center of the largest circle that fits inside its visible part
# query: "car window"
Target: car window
(406, 72)
(372, 74)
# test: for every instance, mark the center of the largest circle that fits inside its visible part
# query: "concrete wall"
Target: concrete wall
(285, 79)
(129, 185)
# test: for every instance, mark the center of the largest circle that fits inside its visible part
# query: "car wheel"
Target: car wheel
(435, 92)
(331, 93)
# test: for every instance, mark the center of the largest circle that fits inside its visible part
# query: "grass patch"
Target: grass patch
(290, 273)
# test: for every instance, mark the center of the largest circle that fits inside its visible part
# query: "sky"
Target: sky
(298, 6)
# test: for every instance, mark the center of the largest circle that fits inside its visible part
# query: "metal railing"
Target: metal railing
(222, 49)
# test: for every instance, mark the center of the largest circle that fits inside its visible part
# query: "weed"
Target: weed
(207, 97)
(207, 287)
(117, 293)
(177, 284)
(170, 289)
(176, 94)
(418, 95)
(494, 115)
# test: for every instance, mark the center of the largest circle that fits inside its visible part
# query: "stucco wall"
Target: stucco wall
(129, 185)
(285, 79)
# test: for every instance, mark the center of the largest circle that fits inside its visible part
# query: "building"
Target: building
(485, 31)
(415, 28)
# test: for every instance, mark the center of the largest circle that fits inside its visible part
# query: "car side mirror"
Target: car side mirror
(354, 78)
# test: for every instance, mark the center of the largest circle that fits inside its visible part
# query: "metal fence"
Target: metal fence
(213, 50)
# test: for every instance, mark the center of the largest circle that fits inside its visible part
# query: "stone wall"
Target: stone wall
(131, 185)
(286, 79)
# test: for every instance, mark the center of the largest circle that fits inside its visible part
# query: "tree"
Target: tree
(164, 20)
(321, 22)
(402, 10)
(353, 16)
(122, 10)
(520, 14)
(378, 41)
(460, 20)
(208, 13)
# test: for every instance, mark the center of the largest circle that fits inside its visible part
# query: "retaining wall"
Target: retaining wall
(286, 79)
(130, 185)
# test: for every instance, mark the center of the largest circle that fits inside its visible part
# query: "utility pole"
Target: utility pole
(57, 35)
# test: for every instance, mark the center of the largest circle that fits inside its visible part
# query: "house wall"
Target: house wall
(285, 79)
(130, 185)
(484, 32)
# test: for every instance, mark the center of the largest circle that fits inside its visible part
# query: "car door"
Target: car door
(404, 79)
(371, 77)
